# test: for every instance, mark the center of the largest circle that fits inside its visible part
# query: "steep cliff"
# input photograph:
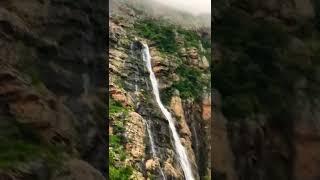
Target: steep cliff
(52, 81)
(266, 68)
(142, 143)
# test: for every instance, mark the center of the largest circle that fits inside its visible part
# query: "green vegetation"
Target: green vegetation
(117, 154)
(191, 84)
(151, 176)
(120, 173)
(116, 107)
(19, 144)
(191, 38)
(14, 152)
(163, 34)
(117, 169)
(166, 95)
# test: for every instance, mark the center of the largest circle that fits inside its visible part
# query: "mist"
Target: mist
(193, 6)
(191, 14)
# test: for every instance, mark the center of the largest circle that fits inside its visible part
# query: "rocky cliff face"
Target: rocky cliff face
(267, 72)
(173, 62)
(51, 89)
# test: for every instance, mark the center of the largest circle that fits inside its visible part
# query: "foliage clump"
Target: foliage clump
(117, 154)
(116, 107)
(161, 33)
(164, 35)
(190, 86)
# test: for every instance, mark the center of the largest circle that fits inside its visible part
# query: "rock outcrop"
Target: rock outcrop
(135, 134)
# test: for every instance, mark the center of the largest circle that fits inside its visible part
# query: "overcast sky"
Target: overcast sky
(193, 6)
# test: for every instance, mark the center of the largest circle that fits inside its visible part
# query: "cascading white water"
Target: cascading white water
(153, 149)
(136, 83)
(183, 158)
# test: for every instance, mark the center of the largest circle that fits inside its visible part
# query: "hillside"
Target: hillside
(143, 142)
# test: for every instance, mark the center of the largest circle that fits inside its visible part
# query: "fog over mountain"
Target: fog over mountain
(192, 13)
(193, 6)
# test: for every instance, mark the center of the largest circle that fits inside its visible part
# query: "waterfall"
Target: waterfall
(146, 83)
(136, 82)
(153, 149)
(196, 139)
(183, 158)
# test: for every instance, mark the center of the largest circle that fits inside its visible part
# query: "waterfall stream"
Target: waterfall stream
(182, 154)
(153, 149)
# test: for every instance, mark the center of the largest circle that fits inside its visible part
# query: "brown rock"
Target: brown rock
(170, 171)
(206, 107)
(306, 139)
(135, 136)
(176, 106)
(183, 128)
(80, 170)
(136, 175)
(47, 114)
(152, 164)
(193, 53)
(158, 69)
(120, 96)
(115, 31)
(307, 159)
